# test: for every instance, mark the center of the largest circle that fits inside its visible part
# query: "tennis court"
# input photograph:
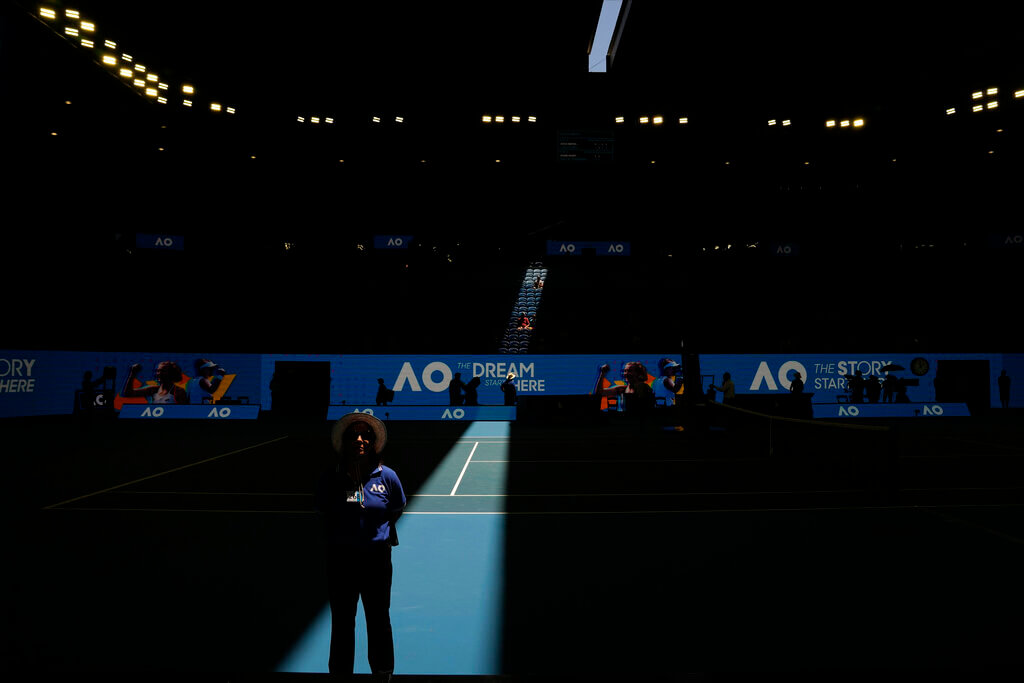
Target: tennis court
(586, 550)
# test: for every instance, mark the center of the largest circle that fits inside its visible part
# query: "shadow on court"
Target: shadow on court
(630, 551)
(838, 549)
(215, 567)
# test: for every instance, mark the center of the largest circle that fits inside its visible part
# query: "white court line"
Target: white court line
(160, 474)
(459, 480)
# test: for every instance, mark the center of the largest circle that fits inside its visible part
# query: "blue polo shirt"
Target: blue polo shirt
(351, 523)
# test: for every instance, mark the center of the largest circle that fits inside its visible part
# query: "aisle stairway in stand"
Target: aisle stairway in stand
(519, 329)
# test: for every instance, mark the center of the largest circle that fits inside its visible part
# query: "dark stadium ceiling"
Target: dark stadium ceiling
(441, 59)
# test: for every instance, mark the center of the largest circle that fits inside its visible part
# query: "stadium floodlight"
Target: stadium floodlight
(314, 119)
(499, 119)
(515, 119)
(992, 92)
(976, 108)
(376, 119)
(658, 120)
(139, 83)
(125, 73)
(215, 106)
(992, 105)
(977, 95)
(399, 119)
(231, 110)
(1018, 94)
(831, 123)
(771, 122)
(151, 92)
(125, 57)
(47, 13)
(187, 103)
(645, 119)
(620, 119)
(70, 31)
(485, 118)
(683, 120)
(140, 68)
(71, 14)
(950, 111)
(300, 119)
(88, 43)
(531, 119)
(110, 60)
(152, 78)
(845, 123)
(188, 89)
(88, 26)
(858, 123)
(162, 86)
(787, 122)
(162, 100)
(110, 45)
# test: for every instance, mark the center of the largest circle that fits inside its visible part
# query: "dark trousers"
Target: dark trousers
(352, 574)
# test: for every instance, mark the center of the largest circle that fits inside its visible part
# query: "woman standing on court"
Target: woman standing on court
(360, 499)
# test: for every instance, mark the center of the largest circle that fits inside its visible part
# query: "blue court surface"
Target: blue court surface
(581, 551)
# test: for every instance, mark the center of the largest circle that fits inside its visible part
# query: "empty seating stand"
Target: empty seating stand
(517, 339)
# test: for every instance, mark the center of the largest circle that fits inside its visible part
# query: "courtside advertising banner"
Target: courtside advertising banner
(424, 380)
(828, 376)
(65, 382)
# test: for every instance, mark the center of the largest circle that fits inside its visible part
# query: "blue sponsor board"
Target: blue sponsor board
(392, 241)
(136, 411)
(454, 413)
(578, 247)
(880, 410)
(424, 380)
(34, 382)
(827, 376)
(171, 242)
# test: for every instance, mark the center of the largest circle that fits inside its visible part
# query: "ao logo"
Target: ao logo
(220, 412)
(395, 242)
(851, 411)
(456, 414)
(932, 410)
(1014, 239)
(764, 374)
(408, 375)
(615, 248)
(784, 249)
(567, 248)
(368, 411)
(378, 488)
(153, 412)
(164, 242)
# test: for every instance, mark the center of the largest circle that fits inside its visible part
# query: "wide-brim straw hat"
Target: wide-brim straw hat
(380, 431)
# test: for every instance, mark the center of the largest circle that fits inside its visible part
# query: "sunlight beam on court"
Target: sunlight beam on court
(449, 584)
